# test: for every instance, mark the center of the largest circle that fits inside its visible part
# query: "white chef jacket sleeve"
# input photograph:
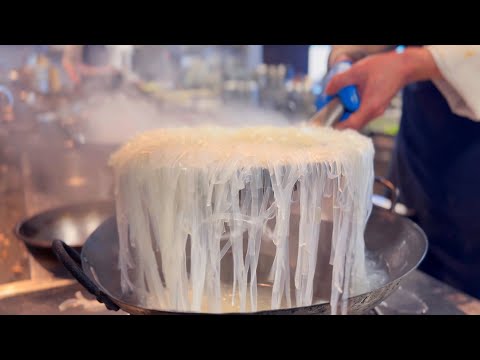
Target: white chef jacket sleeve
(460, 85)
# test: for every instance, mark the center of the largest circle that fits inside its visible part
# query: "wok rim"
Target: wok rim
(46, 243)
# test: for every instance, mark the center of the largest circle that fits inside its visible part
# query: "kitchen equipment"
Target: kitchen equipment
(42, 75)
(330, 114)
(6, 107)
(396, 244)
(72, 223)
(5, 91)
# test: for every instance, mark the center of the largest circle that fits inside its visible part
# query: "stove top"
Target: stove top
(65, 300)
(70, 298)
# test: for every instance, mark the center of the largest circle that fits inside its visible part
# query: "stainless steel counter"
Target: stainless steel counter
(419, 294)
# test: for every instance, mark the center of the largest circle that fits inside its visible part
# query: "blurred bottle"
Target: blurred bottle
(54, 79)
(6, 104)
(44, 76)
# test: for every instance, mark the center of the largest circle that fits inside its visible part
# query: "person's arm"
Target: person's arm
(460, 81)
(380, 77)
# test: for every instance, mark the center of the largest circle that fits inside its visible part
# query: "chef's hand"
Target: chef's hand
(379, 78)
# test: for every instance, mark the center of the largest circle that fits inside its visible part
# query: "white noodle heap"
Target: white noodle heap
(187, 196)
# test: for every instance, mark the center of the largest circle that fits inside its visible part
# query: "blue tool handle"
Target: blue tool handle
(350, 98)
(349, 95)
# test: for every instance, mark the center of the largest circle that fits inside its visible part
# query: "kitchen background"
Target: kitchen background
(55, 138)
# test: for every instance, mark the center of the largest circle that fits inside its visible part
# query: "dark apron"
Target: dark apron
(436, 166)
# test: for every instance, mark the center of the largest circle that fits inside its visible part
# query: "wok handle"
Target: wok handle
(70, 258)
(394, 192)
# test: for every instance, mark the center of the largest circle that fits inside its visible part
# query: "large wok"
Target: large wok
(397, 244)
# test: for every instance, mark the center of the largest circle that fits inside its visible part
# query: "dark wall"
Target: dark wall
(294, 55)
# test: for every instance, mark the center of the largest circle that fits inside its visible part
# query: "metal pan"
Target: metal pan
(397, 244)
(72, 223)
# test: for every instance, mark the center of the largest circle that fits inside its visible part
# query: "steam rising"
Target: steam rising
(114, 118)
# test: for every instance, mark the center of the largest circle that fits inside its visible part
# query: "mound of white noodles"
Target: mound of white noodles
(187, 196)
